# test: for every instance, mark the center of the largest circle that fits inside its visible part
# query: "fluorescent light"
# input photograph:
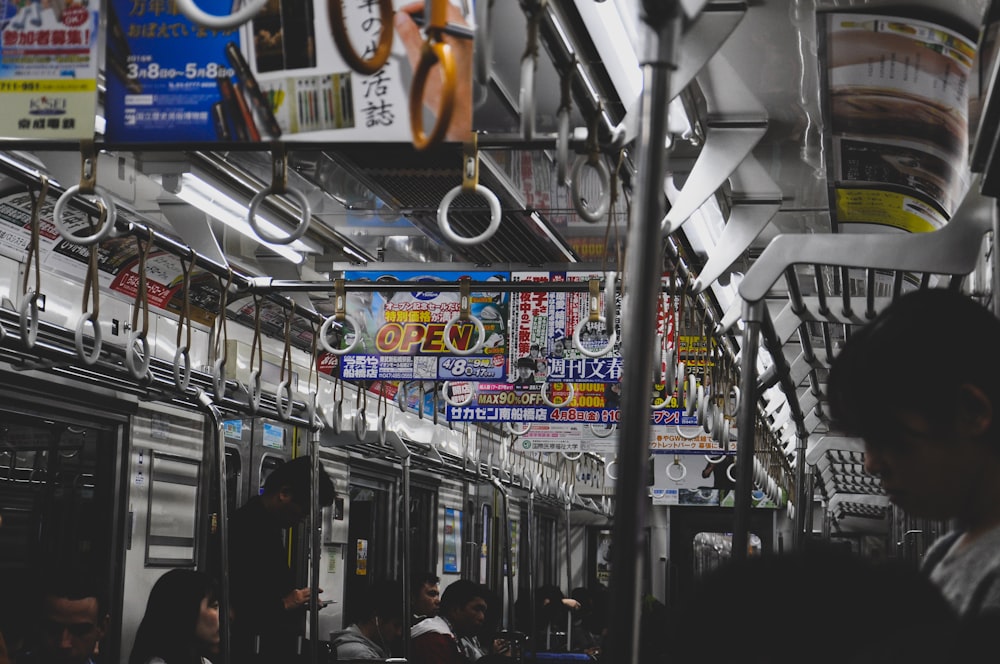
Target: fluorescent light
(218, 205)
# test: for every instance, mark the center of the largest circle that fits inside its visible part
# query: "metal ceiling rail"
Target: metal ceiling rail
(247, 185)
(53, 351)
(144, 230)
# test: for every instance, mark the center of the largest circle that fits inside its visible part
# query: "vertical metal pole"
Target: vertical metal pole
(569, 574)
(218, 442)
(532, 628)
(314, 547)
(801, 498)
(407, 600)
(995, 268)
(642, 283)
(746, 419)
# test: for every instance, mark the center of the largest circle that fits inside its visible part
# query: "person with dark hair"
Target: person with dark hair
(269, 609)
(69, 620)
(439, 640)
(425, 596)
(181, 622)
(879, 608)
(380, 625)
(939, 462)
(525, 367)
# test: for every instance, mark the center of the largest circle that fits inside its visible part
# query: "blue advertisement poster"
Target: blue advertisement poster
(402, 331)
(48, 69)
(280, 75)
(168, 79)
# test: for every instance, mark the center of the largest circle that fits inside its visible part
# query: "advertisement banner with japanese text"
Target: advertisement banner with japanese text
(48, 68)
(897, 94)
(543, 326)
(401, 335)
(280, 75)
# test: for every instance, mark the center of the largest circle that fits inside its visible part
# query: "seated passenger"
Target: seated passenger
(181, 622)
(439, 640)
(425, 596)
(378, 629)
(68, 621)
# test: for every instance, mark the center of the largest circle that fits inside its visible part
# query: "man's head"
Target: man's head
(464, 605)
(287, 490)
(71, 617)
(381, 617)
(425, 595)
(920, 384)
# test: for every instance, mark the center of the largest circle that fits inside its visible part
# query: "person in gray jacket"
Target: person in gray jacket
(379, 626)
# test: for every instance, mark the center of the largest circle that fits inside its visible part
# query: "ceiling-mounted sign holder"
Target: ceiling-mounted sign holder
(48, 70)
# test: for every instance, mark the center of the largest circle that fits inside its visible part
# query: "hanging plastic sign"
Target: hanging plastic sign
(280, 75)
(897, 89)
(48, 69)
(402, 335)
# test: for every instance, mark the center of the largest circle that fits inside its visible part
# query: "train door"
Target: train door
(369, 541)
(167, 506)
(59, 504)
(698, 543)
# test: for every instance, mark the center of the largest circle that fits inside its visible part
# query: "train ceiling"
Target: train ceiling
(749, 159)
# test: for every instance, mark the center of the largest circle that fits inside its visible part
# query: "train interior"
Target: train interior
(160, 362)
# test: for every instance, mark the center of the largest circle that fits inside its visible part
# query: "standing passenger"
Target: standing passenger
(921, 385)
(269, 610)
(181, 623)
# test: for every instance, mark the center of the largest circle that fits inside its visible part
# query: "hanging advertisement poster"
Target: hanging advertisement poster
(452, 541)
(48, 69)
(543, 328)
(698, 479)
(402, 331)
(280, 75)
(602, 439)
(896, 91)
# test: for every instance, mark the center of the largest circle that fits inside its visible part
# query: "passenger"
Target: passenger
(864, 607)
(928, 413)
(586, 634)
(425, 596)
(181, 623)
(379, 628)
(4, 656)
(69, 621)
(269, 610)
(438, 640)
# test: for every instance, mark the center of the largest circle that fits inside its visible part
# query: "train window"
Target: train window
(546, 557)
(485, 528)
(173, 512)
(57, 504)
(367, 556)
(268, 464)
(712, 549)
(234, 479)
(423, 530)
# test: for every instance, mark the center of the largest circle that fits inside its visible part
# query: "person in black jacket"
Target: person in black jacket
(268, 608)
